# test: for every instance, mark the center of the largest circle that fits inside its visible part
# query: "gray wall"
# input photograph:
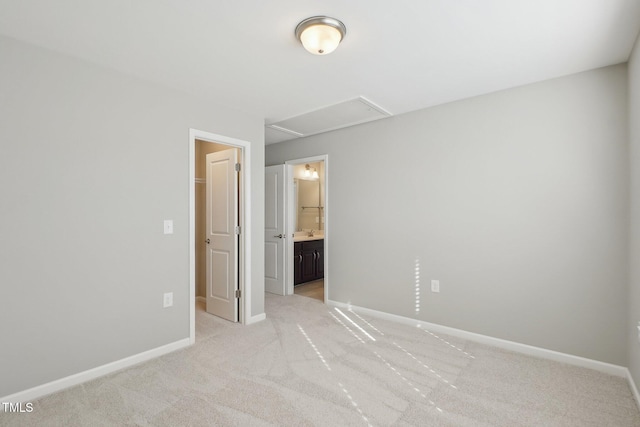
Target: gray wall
(516, 201)
(634, 247)
(91, 162)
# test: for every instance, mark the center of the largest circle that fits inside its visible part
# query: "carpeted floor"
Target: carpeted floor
(308, 364)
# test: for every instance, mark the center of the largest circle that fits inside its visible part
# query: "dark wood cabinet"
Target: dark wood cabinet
(320, 261)
(308, 265)
(308, 261)
(297, 263)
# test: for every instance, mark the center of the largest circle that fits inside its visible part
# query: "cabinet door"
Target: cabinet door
(297, 263)
(308, 263)
(320, 262)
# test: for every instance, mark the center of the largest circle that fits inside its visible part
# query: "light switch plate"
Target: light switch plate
(435, 286)
(167, 300)
(168, 226)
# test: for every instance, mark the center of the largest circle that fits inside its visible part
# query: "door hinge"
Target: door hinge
(238, 293)
(238, 167)
(238, 229)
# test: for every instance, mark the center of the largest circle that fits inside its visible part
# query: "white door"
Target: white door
(275, 233)
(222, 237)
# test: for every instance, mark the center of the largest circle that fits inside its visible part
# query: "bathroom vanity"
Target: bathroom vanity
(308, 259)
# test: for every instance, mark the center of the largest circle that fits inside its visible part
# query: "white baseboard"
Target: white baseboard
(256, 319)
(201, 299)
(543, 353)
(88, 375)
(634, 389)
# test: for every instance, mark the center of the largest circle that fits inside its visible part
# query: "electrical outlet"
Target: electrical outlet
(168, 226)
(435, 286)
(167, 300)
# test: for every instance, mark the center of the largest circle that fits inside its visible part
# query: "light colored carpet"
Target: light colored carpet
(308, 364)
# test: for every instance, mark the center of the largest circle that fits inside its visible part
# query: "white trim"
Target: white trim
(245, 216)
(285, 130)
(386, 114)
(290, 226)
(319, 158)
(634, 389)
(90, 374)
(543, 353)
(256, 319)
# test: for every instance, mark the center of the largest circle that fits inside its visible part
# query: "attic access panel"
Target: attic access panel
(337, 116)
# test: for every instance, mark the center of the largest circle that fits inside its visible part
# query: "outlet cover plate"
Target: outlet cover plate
(167, 300)
(435, 286)
(168, 226)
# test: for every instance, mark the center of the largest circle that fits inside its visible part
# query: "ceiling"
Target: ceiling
(399, 56)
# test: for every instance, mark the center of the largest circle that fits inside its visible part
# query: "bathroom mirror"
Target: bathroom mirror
(310, 211)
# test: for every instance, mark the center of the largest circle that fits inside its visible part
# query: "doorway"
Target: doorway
(217, 225)
(307, 208)
(202, 143)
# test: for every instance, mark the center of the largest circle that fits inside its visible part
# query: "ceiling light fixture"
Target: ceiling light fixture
(320, 35)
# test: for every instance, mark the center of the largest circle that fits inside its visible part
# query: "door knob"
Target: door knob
(279, 236)
(208, 241)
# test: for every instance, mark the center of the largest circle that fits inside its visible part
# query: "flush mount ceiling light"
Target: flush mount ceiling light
(320, 35)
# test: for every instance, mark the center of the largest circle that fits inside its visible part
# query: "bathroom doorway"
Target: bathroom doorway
(307, 210)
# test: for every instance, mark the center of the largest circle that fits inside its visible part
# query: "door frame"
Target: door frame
(244, 254)
(291, 218)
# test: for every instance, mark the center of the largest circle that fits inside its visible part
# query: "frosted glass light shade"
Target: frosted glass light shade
(320, 39)
(320, 35)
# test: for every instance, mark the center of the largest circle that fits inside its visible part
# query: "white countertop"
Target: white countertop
(305, 238)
